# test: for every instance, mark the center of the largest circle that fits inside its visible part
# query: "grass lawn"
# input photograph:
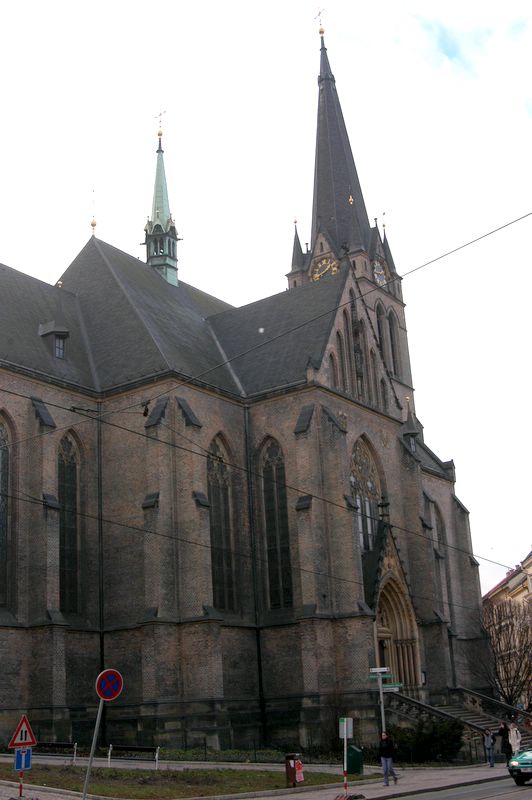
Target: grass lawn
(163, 783)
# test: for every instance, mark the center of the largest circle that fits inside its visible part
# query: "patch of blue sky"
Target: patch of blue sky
(455, 46)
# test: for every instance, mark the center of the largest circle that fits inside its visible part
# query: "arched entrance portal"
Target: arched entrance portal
(397, 639)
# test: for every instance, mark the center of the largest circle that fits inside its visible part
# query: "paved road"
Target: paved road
(412, 781)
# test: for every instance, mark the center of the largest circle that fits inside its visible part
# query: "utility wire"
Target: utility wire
(236, 553)
(100, 417)
(252, 474)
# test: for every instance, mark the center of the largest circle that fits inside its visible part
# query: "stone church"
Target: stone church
(234, 507)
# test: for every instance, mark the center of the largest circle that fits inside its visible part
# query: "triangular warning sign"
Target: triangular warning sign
(23, 736)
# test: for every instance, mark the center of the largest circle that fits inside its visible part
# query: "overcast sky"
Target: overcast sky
(437, 98)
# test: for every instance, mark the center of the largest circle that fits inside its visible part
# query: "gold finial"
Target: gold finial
(93, 226)
(318, 16)
(350, 200)
(384, 221)
(159, 116)
(295, 220)
(59, 283)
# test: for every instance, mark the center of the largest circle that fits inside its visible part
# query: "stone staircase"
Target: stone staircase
(474, 710)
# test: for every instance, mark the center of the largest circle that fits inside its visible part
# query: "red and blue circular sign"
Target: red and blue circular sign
(109, 684)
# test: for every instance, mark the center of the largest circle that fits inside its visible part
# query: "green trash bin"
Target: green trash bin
(354, 760)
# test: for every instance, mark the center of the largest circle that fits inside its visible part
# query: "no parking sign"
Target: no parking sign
(109, 684)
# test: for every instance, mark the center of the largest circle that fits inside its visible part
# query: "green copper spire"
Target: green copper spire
(161, 234)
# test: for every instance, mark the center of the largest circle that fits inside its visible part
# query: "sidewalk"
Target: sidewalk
(411, 781)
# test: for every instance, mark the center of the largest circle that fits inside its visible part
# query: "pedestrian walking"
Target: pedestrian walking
(386, 752)
(514, 737)
(489, 744)
(506, 747)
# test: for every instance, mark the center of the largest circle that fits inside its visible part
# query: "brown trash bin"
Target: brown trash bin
(290, 768)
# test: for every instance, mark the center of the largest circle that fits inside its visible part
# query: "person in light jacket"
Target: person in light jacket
(489, 743)
(515, 738)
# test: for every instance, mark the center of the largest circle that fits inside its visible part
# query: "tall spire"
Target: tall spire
(338, 209)
(161, 234)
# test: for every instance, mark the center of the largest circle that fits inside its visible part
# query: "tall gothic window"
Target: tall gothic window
(68, 492)
(219, 480)
(394, 344)
(366, 492)
(4, 514)
(276, 527)
(341, 359)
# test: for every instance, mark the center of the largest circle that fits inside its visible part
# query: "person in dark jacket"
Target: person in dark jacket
(386, 750)
(506, 747)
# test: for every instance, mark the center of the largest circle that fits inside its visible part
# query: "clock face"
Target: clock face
(379, 273)
(326, 265)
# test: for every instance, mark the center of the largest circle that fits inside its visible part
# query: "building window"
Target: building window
(276, 528)
(394, 344)
(219, 481)
(59, 346)
(68, 493)
(4, 514)
(366, 492)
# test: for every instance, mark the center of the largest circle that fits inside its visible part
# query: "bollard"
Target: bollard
(109, 755)
(157, 758)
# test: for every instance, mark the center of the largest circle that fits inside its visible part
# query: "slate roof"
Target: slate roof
(138, 325)
(28, 303)
(338, 208)
(280, 334)
(127, 324)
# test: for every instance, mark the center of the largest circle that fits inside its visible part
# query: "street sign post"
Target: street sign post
(109, 685)
(22, 741)
(346, 731)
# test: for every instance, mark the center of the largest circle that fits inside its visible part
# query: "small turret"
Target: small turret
(161, 234)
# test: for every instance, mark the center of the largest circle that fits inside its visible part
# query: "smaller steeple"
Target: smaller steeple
(161, 234)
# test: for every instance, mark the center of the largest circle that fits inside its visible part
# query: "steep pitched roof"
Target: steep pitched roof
(31, 312)
(138, 325)
(281, 334)
(338, 205)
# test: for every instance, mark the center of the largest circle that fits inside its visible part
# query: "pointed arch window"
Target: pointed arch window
(4, 514)
(68, 493)
(366, 492)
(348, 352)
(394, 344)
(276, 527)
(333, 372)
(381, 332)
(341, 358)
(222, 563)
(384, 395)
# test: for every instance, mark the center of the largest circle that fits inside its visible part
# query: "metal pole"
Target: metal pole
(93, 748)
(345, 757)
(381, 700)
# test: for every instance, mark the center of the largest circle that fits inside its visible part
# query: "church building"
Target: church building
(234, 507)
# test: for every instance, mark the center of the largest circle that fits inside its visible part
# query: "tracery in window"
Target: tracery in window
(4, 514)
(277, 536)
(222, 561)
(366, 492)
(68, 494)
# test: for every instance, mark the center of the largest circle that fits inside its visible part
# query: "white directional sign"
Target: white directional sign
(379, 669)
(390, 688)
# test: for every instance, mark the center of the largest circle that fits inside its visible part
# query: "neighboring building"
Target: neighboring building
(507, 612)
(517, 585)
(235, 507)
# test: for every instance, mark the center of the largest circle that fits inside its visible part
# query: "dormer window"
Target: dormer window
(59, 346)
(55, 336)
